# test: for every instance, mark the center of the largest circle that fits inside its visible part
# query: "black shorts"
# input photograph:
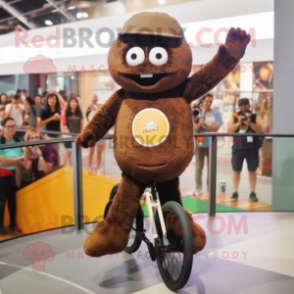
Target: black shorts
(251, 156)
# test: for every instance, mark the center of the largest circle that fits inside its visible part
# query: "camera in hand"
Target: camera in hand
(247, 115)
(196, 112)
(197, 109)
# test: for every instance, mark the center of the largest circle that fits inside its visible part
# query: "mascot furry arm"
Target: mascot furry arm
(105, 119)
(227, 57)
(153, 102)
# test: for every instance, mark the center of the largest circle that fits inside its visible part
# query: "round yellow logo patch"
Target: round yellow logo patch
(150, 127)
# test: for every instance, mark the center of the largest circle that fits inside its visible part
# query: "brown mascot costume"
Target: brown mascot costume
(153, 136)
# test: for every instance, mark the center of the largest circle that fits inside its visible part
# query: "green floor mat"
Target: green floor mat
(200, 206)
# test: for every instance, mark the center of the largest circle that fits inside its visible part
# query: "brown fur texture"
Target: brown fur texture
(171, 94)
(209, 75)
(169, 191)
(175, 152)
(111, 235)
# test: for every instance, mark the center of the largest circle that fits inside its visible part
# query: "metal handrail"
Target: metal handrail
(78, 164)
(108, 137)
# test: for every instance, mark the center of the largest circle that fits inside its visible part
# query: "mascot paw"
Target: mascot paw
(86, 139)
(199, 236)
(236, 43)
(105, 239)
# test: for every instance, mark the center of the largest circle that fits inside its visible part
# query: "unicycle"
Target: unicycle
(174, 254)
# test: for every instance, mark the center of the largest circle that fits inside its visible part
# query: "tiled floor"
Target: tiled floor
(246, 253)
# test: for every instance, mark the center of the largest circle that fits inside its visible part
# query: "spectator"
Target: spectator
(38, 104)
(2, 116)
(50, 115)
(30, 118)
(44, 98)
(93, 108)
(91, 111)
(74, 122)
(3, 100)
(209, 121)
(15, 110)
(39, 159)
(9, 161)
(245, 147)
(23, 95)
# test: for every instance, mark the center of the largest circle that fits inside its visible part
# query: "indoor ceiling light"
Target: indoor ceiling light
(71, 7)
(161, 2)
(82, 15)
(48, 22)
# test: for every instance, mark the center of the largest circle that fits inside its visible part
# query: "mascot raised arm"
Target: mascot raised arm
(153, 132)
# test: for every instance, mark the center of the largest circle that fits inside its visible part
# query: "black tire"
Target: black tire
(113, 191)
(134, 240)
(180, 245)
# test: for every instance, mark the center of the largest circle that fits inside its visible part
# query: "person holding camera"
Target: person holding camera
(245, 147)
(208, 120)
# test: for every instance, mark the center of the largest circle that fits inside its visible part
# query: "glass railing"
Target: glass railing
(36, 188)
(66, 191)
(244, 175)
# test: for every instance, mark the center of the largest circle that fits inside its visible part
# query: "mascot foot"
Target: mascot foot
(199, 236)
(105, 239)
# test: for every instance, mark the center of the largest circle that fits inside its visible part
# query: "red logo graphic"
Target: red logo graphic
(39, 66)
(39, 253)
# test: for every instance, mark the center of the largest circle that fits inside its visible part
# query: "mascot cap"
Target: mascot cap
(156, 23)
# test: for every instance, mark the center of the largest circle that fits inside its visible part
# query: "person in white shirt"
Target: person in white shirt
(15, 110)
(92, 110)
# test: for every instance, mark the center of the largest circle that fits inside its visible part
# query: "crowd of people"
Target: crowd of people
(43, 117)
(244, 147)
(24, 118)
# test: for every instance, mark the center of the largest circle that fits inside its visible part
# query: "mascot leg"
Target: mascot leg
(170, 191)
(111, 234)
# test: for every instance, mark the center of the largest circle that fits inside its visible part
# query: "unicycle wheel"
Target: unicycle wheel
(175, 256)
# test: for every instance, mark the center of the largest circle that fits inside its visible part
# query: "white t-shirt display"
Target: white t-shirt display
(15, 113)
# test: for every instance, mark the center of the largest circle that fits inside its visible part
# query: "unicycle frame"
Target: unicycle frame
(153, 204)
(160, 247)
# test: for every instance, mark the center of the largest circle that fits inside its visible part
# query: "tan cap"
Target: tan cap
(156, 23)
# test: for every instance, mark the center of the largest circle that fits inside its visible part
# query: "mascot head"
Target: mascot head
(150, 54)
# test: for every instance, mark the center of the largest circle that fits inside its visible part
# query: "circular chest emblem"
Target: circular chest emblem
(150, 127)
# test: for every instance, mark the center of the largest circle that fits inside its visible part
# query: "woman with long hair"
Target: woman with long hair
(74, 123)
(3, 100)
(50, 116)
